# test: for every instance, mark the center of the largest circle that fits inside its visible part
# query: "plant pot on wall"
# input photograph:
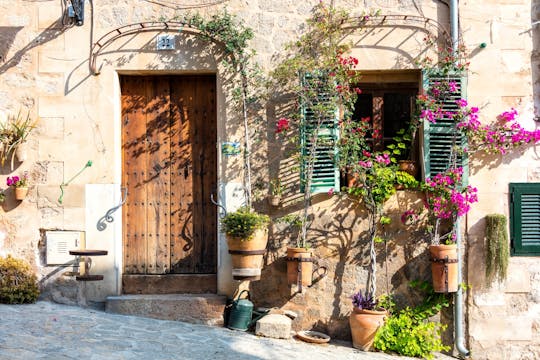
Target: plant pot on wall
(21, 151)
(274, 200)
(364, 325)
(20, 193)
(299, 266)
(444, 267)
(247, 255)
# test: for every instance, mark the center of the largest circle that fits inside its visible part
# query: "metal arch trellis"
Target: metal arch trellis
(148, 26)
(186, 4)
(423, 23)
(427, 25)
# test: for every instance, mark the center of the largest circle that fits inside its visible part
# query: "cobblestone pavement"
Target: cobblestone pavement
(51, 331)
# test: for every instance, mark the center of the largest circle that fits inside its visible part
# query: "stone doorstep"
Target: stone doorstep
(206, 309)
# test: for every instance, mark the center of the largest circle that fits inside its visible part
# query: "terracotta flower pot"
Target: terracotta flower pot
(408, 166)
(20, 193)
(247, 255)
(364, 325)
(274, 200)
(444, 267)
(299, 260)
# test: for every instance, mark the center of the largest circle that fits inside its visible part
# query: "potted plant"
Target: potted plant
(276, 191)
(19, 184)
(13, 135)
(365, 319)
(446, 200)
(247, 236)
(377, 178)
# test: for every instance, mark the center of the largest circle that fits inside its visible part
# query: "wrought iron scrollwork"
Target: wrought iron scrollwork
(107, 218)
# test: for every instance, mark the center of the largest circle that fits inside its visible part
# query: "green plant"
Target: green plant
(18, 283)
(409, 337)
(409, 332)
(243, 223)
(497, 248)
(276, 188)
(400, 149)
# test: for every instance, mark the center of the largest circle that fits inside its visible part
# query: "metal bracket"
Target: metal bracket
(101, 224)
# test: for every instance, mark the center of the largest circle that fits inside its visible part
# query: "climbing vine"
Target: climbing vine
(233, 36)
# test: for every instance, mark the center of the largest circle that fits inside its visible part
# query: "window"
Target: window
(389, 107)
(525, 219)
(388, 99)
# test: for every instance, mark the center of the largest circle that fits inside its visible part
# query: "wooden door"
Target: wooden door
(169, 168)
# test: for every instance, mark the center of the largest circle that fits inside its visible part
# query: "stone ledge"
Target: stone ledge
(204, 309)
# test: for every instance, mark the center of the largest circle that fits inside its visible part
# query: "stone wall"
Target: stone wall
(44, 69)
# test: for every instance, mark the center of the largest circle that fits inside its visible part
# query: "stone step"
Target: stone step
(204, 309)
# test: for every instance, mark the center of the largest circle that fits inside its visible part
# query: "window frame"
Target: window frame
(516, 190)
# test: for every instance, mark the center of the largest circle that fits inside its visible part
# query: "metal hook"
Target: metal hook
(224, 213)
(101, 224)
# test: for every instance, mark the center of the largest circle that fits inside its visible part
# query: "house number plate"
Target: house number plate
(165, 42)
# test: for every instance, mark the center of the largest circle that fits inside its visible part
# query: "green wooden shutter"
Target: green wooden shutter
(525, 218)
(440, 136)
(324, 124)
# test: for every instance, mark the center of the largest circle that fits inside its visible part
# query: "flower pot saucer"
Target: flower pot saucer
(313, 337)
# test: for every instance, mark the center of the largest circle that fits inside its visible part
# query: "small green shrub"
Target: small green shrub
(18, 283)
(243, 223)
(410, 333)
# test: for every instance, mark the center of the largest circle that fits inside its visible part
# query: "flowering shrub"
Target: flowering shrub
(499, 137)
(447, 199)
(17, 181)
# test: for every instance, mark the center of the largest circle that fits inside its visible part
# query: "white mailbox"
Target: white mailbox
(58, 245)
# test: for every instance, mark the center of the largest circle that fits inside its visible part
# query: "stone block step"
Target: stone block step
(204, 309)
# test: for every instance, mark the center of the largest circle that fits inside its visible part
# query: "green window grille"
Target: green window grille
(525, 218)
(441, 136)
(319, 128)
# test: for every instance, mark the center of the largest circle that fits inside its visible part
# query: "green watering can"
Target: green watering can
(241, 313)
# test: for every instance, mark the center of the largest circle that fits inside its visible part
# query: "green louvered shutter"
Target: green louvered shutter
(440, 136)
(325, 125)
(525, 218)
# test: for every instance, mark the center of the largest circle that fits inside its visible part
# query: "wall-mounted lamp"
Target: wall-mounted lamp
(76, 11)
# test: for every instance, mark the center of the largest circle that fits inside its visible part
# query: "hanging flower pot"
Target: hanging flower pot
(364, 325)
(21, 151)
(299, 266)
(444, 267)
(247, 235)
(20, 193)
(247, 255)
(274, 200)
(19, 185)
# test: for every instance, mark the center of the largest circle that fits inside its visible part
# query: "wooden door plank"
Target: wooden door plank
(182, 180)
(134, 164)
(158, 179)
(205, 167)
